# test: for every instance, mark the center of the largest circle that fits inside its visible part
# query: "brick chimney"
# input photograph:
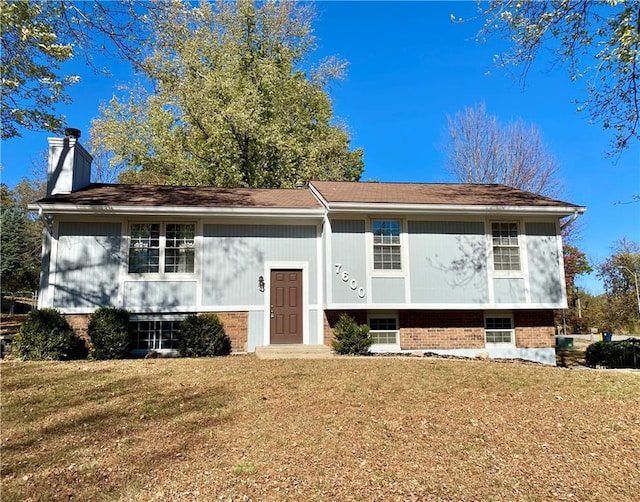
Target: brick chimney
(69, 164)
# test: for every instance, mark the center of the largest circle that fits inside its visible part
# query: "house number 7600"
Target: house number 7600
(353, 284)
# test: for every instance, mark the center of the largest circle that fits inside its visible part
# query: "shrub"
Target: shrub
(351, 338)
(622, 354)
(46, 334)
(110, 333)
(203, 336)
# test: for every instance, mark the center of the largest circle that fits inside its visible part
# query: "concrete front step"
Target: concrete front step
(294, 352)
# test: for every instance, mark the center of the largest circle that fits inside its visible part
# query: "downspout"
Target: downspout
(570, 221)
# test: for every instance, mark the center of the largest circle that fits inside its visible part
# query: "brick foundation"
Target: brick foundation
(236, 326)
(455, 329)
(80, 324)
(534, 328)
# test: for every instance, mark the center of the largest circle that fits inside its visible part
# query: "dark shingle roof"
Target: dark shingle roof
(431, 193)
(179, 196)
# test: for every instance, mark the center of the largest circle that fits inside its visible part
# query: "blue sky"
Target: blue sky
(410, 67)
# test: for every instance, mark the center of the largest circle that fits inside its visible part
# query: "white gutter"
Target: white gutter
(173, 210)
(573, 218)
(388, 208)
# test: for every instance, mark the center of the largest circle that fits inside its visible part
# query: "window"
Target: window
(506, 253)
(155, 335)
(154, 248)
(144, 248)
(498, 330)
(384, 330)
(386, 245)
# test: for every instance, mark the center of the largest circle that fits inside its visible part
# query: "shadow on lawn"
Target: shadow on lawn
(90, 432)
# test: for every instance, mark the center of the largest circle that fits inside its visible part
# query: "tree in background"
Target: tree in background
(597, 40)
(575, 318)
(31, 55)
(479, 149)
(20, 239)
(232, 102)
(619, 284)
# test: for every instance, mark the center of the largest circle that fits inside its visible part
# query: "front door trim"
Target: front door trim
(284, 265)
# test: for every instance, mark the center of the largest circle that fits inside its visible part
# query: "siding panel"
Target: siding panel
(508, 290)
(448, 261)
(87, 265)
(543, 261)
(387, 290)
(166, 296)
(349, 249)
(233, 258)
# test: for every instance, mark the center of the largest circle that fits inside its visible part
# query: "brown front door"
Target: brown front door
(286, 306)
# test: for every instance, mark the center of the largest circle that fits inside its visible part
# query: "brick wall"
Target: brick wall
(534, 328)
(435, 329)
(331, 318)
(80, 324)
(450, 329)
(236, 326)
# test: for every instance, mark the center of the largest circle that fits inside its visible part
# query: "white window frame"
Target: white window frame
(382, 347)
(162, 250)
(502, 317)
(400, 245)
(518, 246)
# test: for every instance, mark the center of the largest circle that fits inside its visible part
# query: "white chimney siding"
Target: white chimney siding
(69, 166)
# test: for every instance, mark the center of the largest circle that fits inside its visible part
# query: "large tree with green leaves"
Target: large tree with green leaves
(31, 55)
(20, 238)
(597, 40)
(230, 100)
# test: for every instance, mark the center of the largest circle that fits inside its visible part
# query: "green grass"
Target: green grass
(239, 428)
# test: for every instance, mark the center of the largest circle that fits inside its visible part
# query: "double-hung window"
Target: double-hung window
(161, 248)
(386, 245)
(498, 330)
(384, 330)
(506, 250)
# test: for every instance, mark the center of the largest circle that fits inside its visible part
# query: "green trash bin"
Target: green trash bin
(564, 342)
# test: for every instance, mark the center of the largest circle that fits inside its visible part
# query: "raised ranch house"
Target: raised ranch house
(446, 268)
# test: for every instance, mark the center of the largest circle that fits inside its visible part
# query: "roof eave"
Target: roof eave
(394, 208)
(173, 210)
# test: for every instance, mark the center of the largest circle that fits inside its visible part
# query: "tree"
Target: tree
(21, 237)
(31, 56)
(597, 40)
(479, 149)
(38, 36)
(232, 102)
(619, 285)
(576, 317)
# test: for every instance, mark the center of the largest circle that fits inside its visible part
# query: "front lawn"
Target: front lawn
(239, 428)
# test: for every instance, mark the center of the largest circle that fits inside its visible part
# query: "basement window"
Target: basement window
(499, 330)
(384, 330)
(155, 335)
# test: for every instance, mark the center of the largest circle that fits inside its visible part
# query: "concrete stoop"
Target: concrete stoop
(294, 352)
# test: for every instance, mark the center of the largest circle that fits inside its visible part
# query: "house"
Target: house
(456, 269)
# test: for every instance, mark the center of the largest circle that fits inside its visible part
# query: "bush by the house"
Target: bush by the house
(203, 336)
(620, 354)
(350, 337)
(46, 334)
(110, 333)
